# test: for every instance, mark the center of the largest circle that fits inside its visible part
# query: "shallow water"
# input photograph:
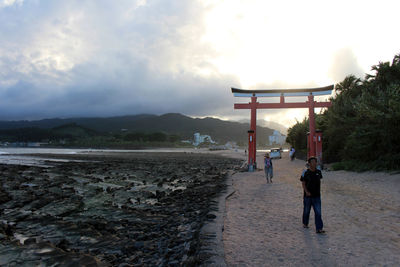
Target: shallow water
(23, 155)
(30, 161)
(26, 150)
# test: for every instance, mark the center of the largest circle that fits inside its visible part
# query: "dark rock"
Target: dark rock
(7, 229)
(63, 244)
(30, 240)
(150, 225)
(4, 196)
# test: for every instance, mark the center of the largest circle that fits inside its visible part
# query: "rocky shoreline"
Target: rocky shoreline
(116, 209)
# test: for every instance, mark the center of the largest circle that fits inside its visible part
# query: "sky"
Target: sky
(87, 58)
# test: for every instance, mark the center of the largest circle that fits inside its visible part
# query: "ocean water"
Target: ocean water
(32, 157)
(26, 156)
(24, 150)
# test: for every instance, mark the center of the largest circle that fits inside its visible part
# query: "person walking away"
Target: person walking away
(268, 168)
(292, 153)
(311, 183)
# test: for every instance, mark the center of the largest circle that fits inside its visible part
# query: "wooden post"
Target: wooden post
(253, 128)
(318, 148)
(311, 119)
(251, 159)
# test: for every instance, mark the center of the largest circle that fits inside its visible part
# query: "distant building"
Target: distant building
(231, 145)
(24, 144)
(277, 138)
(198, 139)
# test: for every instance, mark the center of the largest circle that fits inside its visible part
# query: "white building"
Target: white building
(277, 138)
(198, 139)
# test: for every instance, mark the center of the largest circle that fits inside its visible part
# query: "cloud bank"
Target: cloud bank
(100, 58)
(107, 58)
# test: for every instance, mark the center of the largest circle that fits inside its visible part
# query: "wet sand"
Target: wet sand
(361, 214)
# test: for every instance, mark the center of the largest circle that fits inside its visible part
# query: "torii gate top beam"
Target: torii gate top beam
(310, 92)
(327, 90)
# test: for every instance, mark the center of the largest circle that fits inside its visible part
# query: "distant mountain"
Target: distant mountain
(73, 130)
(98, 124)
(274, 125)
(269, 124)
(36, 134)
(171, 123)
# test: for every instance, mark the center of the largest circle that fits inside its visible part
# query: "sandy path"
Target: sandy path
(361, 213)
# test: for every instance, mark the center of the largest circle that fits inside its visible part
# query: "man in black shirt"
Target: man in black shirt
(311, 182)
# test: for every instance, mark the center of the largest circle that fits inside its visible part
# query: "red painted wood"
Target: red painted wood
(311, 120)
(318, 149)
(253, 127)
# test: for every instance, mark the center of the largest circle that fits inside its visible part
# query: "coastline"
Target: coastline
(212, 247)
(211, 235)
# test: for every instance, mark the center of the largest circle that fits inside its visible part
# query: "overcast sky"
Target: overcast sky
(107, 58)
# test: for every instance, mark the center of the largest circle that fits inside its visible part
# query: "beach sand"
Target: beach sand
(361, 214)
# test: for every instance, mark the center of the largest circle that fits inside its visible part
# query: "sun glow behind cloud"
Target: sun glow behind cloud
(267, 42)
(297, 44)
(6, 3)
(289, 42)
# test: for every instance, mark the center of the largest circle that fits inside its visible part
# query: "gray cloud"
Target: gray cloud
(345, 63)
(102, 58)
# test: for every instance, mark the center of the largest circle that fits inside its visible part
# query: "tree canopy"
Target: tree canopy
(362, 127)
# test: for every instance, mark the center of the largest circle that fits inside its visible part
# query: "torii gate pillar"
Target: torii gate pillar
(311, 118)
(252, 134)
(251, 163)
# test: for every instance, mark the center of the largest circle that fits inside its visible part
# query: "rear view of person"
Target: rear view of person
(268, 168)
(292, 153)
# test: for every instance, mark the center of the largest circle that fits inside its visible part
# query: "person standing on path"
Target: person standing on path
(268, 168)
(311, 182)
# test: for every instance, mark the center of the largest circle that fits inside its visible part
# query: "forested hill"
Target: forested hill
(171, 123)
(361, 129)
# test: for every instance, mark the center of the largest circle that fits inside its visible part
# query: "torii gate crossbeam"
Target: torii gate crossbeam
(254, 105)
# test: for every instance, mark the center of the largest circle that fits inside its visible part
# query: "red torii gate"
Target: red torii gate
(313, 149)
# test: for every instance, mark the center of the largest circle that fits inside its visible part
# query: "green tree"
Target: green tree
(157, 137)
(340, 118)
(297, 135)
(362, 125)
